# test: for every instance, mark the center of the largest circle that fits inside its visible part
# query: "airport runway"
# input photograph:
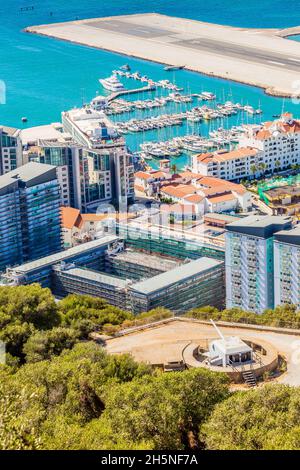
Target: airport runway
(241, 52)
(199, 44)
(252, 56)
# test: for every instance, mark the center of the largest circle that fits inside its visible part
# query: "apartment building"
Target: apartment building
(129, 279)
(10, 149)
(249, 261)
(66, 156)
(229, 165)
(108, 167)
(278, 141)
(265, 148)
(93, 164)
(29, 214)
(287, 266)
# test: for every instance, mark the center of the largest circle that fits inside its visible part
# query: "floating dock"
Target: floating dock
(116, 94)
(264, 58)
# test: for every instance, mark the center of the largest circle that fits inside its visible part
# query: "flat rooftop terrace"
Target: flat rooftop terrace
(263, 58)
(176, 275)
(64, 255)
(147, 260)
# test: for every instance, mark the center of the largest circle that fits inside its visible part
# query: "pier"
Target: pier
(116, 94)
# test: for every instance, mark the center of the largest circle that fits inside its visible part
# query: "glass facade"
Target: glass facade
(10, 229)
(10, 151)
(30, 225)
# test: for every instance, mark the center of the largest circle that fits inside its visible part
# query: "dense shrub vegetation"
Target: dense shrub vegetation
(283, 316)
(59, 390)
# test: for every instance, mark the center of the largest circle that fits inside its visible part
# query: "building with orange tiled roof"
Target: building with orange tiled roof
(227, 165)
(148, 181)
(265, 148)
(180, 211)
(209, 194)
(78, 228)
(278, 143)
(70, 217)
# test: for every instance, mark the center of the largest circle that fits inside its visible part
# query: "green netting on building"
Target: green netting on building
(276, 183)
(144, 240)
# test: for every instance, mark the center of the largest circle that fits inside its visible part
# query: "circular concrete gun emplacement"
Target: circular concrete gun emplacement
(177, 343)
(243, 360)
(240, 368)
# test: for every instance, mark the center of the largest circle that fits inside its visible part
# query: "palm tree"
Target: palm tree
(262, 167)
(174, 168)
(277, 164)
(253, 169)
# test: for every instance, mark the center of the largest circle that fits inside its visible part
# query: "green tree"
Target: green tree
(262, 419)
(86, 313)
(30, 304)
(262, 167)
(174, 168)
(277, 165)
(45, 344)
(15, 435)
(166, 409)
(15, 335)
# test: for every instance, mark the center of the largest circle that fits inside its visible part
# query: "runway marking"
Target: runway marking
(276, 63)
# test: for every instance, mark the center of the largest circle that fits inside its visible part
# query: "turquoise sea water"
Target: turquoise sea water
(44, 76)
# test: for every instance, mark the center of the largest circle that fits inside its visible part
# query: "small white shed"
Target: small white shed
(229, 351)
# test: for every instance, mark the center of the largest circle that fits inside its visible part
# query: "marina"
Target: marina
(159, 122)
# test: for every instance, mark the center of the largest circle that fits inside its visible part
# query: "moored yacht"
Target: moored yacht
(112, 83)
(207, 95)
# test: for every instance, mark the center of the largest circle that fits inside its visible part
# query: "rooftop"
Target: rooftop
(69, 217)
(99, 277)
(185, 271)
(232, 345)
(31, 173)
(11, 131)
(64, 255)
(263, 226)
(91, 122)
(50, 132)
(222, 217)
(179, 191)
(144, 259)
(291, 237)
(222, 156)
(285, 125)
(282, 191)
(222, 198)
(194, 198)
